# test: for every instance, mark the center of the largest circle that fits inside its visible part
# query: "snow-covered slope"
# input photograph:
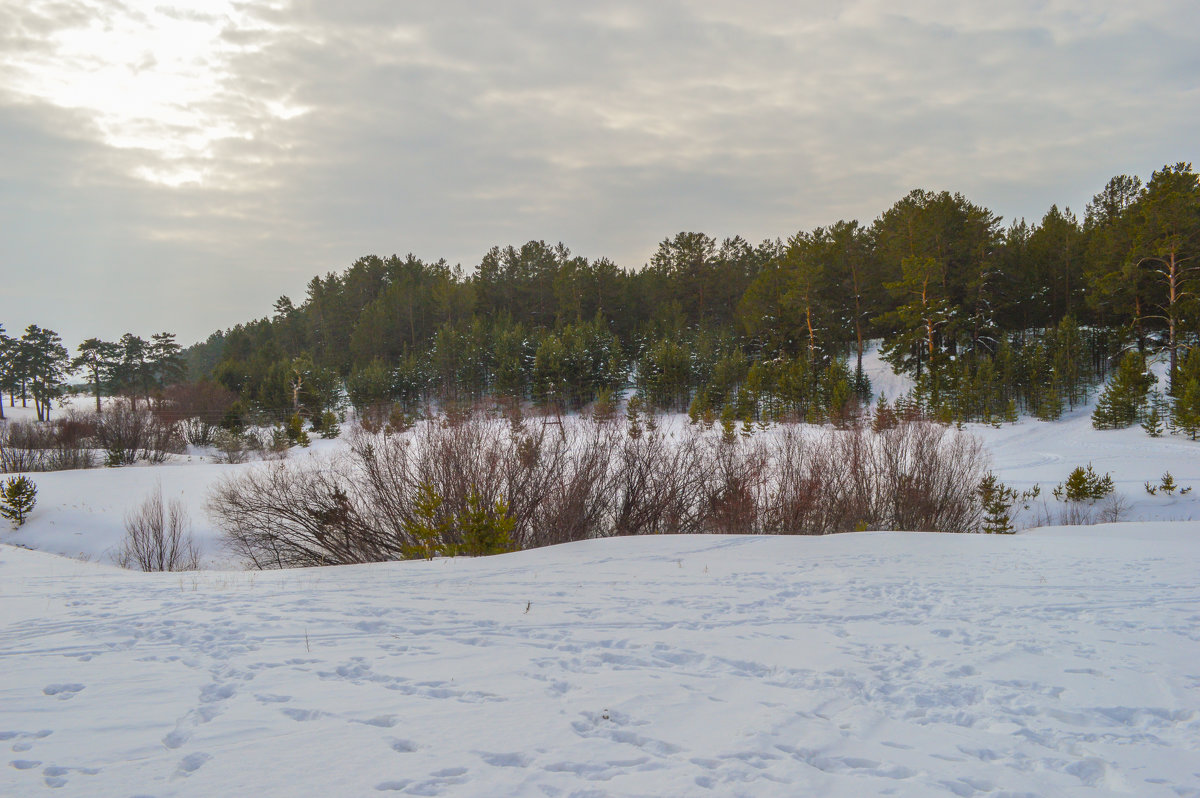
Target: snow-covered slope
(1053, 663)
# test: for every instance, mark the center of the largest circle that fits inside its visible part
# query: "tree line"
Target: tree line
(990, 320)
(37, 365)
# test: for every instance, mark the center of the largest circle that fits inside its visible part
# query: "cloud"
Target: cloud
(185, 164)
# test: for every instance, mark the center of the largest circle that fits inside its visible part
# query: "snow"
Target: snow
(884, 381)
(865, 664)
(1060, 661)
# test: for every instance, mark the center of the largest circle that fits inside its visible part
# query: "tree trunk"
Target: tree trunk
(1172, 297)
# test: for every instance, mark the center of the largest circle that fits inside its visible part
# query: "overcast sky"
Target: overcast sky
(178, 166)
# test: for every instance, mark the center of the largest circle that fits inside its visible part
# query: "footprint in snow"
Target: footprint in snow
(63, 691)
(54, 776)
(382, 721)
(513, 760)
(269, 698)
(191, 763)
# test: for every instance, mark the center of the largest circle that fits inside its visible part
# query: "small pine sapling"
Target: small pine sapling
(1167, 485)
(1123, 398)
(997, 500)
(698, 407)
(328, 425)
(1152, 421)
(604, 409)
(295, 430)
(884, 417)
(17, 499)
(728, 424)
(1084, 485)
(426, 533)
(633, 415)
(747, 426)
(485, 530)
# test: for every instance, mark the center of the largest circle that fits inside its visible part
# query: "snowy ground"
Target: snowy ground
(1062, 662)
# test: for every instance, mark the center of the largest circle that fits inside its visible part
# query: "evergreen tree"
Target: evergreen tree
(1167, 236)
(1152, 421)
(17, 499)
(369, 386)
(45, 363)
(1186, 402)
(484, 530)
(426, 527)
(1123, 398)
(99, 359)
(166, 360)
(7, 355)
(997, 501)
(133, 373)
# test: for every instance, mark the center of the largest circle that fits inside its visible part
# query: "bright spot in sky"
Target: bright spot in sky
(153, 77)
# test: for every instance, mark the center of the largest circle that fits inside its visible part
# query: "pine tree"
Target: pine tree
(1084, 484)
(17, 499)
(1050, 408)
(633, 414)
(295, 431)
(728, 423)
(997, 501)
(1152, 420)
(98, 358)
(1125, 394)
(45, 364)
(425, 530)
(884, 417)
(1187, 408)
(484, 530)
(1186, 402)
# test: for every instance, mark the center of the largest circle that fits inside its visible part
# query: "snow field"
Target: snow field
(1056, 663)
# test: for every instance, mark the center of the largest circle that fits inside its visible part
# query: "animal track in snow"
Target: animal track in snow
(63, 691)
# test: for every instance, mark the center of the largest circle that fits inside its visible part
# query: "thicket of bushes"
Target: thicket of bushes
(121, 435)
(448, 484)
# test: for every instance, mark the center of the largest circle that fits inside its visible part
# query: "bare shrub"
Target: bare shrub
(284, 515)
(72, 442)
(913, 475)
(1076, 514)
(128, 434)
(660, 483)
(158, 537)
(930, 476)
(197, 408)
(571, 479)
(570, 468)
(59, 445)
(234, 447)
(24, 447)
(1113, 509)
(374, 418)
(736, 491)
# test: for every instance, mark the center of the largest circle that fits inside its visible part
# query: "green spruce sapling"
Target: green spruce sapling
(17, 499)
(997, 500)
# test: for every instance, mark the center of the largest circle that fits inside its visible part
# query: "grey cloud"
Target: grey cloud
(444, 128)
